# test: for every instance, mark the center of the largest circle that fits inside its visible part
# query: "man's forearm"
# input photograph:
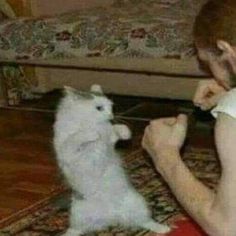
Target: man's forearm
(194, 196)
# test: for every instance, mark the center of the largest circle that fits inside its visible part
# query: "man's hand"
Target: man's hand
(208, 94)
(164, 136)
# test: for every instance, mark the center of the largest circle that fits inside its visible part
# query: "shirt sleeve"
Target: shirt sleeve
(227, 105)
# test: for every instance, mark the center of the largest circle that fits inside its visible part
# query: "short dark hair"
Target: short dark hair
(215, 21)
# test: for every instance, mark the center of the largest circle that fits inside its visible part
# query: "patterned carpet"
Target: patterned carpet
(52, 218)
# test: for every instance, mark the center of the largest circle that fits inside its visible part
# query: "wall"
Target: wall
(118, 82)
(51, 7)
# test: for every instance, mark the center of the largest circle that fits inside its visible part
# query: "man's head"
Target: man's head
(215, 39)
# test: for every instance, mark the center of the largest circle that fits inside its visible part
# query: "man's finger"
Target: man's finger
(182, 119)
(143, 143)
(169, 121)
(200, 95)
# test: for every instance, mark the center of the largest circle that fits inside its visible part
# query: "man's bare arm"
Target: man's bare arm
(194, 196)
(225, 200)
(215, 212)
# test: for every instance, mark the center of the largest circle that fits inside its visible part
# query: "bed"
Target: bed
(132, 47)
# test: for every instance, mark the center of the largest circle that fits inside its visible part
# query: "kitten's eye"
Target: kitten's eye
(99, 108)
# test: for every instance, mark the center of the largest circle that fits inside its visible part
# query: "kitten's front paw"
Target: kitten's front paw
(72, 232)
(157, 228)
(123, 131)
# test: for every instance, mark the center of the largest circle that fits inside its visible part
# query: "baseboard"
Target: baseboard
(134, 84)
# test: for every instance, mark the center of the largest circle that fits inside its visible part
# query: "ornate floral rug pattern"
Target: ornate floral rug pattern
(52, 219)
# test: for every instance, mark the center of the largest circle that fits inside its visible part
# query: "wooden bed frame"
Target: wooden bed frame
(170, 78)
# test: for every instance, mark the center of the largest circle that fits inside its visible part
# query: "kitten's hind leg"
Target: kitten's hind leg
(156, 227)
(72, 232)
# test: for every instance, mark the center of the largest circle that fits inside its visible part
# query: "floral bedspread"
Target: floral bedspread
(150, 28)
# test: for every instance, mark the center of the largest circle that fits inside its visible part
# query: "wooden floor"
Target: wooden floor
(28, 172)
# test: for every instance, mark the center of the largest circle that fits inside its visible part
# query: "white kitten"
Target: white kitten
(84, 141)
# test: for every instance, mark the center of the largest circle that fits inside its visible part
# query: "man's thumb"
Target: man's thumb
(180, 129)
(182, 120)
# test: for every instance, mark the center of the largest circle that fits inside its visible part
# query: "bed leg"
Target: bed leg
(3, 91)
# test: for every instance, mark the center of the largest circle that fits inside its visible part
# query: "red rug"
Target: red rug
(52, 219)
(186, 228)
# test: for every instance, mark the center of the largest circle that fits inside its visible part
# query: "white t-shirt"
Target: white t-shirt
(227, 104)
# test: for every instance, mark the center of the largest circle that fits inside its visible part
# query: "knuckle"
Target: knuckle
(155, 122)
(152, 122)
(142, 143)
(146, 130)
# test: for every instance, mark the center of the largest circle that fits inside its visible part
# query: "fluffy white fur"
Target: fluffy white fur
(84, 142)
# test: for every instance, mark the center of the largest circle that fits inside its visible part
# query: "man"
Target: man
(215, 212)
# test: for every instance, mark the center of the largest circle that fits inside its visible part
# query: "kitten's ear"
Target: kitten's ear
(74, 94)
(95, 88)
(69, 90)
(69, 94)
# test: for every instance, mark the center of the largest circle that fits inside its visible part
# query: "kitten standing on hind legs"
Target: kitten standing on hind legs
(84, 141)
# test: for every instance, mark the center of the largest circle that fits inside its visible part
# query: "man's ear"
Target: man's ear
(228, 53)
(227, 49)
